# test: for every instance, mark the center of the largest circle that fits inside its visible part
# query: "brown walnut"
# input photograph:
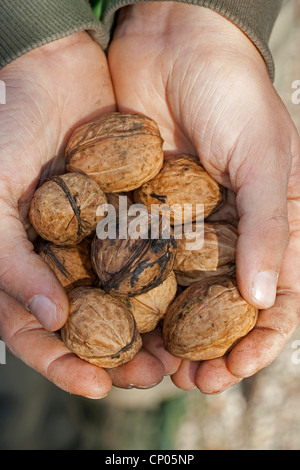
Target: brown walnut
(100, 329)
(71, 264)
(64, 209)
(182, 182)
(214, 256)
(207, 319)
(132, 266)
(120, 151)
(115, 198)
(148, 309)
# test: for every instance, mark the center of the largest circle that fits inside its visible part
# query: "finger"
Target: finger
(25, 276)
(263, 227)
(184, 377)
(46, 353)
(256, 351)
(153, 343)
(273, 329)
(214, 377)
(274, 326)
(143, 371)
(263, 344)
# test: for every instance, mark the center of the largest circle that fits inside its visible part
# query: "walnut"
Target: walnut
(71, 264)
(148, 309)
(215, 255)
(100, 329)
(120, 151)
(132, 266)
(179, 186)
(115, 198)
(207, 319)
(64, 209)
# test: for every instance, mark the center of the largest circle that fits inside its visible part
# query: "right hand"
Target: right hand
(50, 91)
(207, 87)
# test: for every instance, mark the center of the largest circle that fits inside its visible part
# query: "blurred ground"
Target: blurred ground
(260, 413)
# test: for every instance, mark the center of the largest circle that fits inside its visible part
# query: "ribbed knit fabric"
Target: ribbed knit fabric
(25, 25)
(255, 18)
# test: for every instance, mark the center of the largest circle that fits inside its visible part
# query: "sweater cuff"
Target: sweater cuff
(255, 18)
(28, 25)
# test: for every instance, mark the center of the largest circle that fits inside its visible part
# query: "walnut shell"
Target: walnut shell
(120, 151)
(100, 329)
(148, 309)
(115, 198)
(215, 255)
(182, 181)
(71, 264)
(63, 209)
(207, 319)
(129, 266)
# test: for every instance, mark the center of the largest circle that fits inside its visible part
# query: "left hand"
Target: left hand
(207, 87)
(50, 91)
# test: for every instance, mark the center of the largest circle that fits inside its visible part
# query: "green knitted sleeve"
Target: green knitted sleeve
(25, 25)
(255, 18)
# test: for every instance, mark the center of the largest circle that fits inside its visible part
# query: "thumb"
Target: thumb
(261, 188)
(25, 276)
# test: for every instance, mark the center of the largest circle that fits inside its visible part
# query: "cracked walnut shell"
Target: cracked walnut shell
(179, 187)
(207, 319)
(64, 209)
(100, 329)
(120, 151)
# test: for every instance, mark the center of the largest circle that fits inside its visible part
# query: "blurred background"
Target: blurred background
(262, 412)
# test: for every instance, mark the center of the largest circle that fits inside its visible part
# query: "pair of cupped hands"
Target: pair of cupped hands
(207, 86)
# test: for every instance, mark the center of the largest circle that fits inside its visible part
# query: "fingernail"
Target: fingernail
(44, 310)
(97, 397)
(264, 288)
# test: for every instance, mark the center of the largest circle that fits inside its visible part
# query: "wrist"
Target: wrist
(54, 52)
(185, 26)
(162, 18)
(63, 46)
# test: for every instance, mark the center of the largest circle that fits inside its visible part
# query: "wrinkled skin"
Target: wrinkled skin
(208, 88)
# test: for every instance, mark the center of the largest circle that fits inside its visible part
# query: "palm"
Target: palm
(44, 103)
(211, 105)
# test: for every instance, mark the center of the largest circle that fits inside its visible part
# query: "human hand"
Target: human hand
(207, 87)
(50, 91)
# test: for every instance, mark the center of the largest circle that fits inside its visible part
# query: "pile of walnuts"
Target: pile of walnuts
(121, 287)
